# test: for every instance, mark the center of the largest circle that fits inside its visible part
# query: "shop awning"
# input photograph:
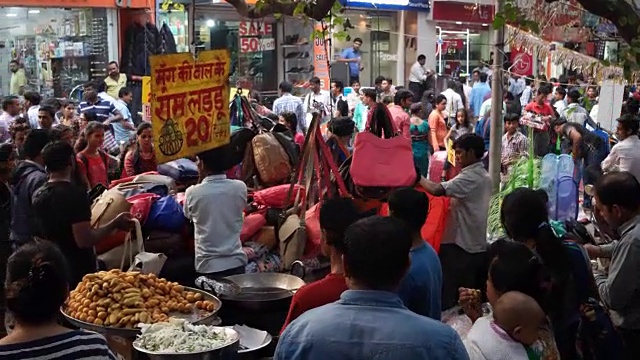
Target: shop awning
(573, 60)
(415, 5)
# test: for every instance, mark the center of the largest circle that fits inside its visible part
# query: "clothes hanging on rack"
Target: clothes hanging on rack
(168, 41)
(140, 42)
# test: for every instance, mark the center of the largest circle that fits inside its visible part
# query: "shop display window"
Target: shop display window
(378, 31)
(298, 55)
(253, 49)
(178, 22)
(59, 49)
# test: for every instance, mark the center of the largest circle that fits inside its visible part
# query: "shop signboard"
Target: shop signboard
(320, 61)
(256, 36)
(522, 62)
(146, 98)
(189, 103)
(463, 11)
(415, 5)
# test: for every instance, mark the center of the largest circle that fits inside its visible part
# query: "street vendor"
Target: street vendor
(464, 243)
(215, 206)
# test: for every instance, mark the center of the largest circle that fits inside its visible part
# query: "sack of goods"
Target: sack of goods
(151, 199)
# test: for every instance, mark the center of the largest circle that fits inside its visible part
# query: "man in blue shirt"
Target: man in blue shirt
(421, 288)
(370, 321)
(478, 93)
(353, 56)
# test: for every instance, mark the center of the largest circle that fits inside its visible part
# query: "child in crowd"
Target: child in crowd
(92, 161)
(514, 143)
(461, 127)
(516, 320)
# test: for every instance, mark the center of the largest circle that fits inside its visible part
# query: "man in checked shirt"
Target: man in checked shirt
(514, 143)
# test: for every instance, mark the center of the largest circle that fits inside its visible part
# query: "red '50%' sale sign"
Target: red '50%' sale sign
(254, 44)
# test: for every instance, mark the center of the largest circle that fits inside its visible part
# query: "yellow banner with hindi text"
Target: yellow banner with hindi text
(189, 103)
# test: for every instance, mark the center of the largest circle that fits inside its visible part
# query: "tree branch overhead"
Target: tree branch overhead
(316, 10)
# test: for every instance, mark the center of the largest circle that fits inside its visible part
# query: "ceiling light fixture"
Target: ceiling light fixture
(34, 11)
(12, 15)
(458, 22)
(485, 24)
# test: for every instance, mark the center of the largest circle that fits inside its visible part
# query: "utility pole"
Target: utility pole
(495, 145)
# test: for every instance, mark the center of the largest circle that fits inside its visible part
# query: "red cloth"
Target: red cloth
(433, 228)
(298, 138)
(544, 110)
(316, 294)
(97, 170)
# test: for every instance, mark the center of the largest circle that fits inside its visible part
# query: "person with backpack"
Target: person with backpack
(140, 157)
(92, 161)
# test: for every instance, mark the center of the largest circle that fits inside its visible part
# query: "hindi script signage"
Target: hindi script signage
(189, 103)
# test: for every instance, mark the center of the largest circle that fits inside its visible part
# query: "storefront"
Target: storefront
(463, 35)
(60, 44)
(389, 33)
(174, 14)
(252, 44)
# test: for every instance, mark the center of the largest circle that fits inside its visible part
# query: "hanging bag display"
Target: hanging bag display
(382, 162)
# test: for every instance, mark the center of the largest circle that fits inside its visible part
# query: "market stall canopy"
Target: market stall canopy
(530, 43)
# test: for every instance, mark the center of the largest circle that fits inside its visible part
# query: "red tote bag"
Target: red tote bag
(378, 162)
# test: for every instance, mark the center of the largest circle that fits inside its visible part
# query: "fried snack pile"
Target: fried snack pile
(124, 299)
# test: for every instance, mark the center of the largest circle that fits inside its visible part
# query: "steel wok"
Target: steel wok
(260, 291)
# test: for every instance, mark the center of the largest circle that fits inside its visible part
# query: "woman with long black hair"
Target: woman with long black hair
(140, 157)
(568, 275)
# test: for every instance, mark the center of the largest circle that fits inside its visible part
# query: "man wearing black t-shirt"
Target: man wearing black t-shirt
(63, 212)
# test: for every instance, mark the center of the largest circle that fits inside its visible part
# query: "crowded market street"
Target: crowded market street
(256, 179)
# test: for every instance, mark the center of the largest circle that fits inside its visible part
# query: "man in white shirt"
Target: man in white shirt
(317, 100)
(10, 110)
(454, 102)
(215, 207)
(527, 93)
(516, 85)
(32, 105)
(624, 156)
(417, 77)
(560, 104)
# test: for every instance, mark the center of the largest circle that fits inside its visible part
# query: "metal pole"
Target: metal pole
(439, 50)
(496, 104)
(468, 38)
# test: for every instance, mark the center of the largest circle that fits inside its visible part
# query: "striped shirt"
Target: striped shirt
(102, 108)
(72, 345)
(290, 103)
